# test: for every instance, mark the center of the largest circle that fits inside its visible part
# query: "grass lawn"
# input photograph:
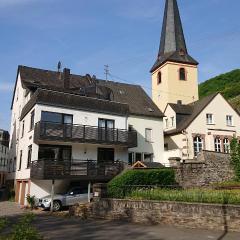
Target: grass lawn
(191, 195)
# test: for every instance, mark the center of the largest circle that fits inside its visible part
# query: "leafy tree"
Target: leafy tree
(235, 157)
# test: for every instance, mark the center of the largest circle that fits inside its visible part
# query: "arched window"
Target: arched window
(226, 145)
(198, 145)
(217, 143)
(182, 74)
(159, 78)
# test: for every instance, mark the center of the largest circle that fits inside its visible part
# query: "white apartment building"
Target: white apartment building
(4, 141)
(75, 129)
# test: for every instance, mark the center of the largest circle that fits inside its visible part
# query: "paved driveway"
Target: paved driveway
(10, 209)
(60, 228)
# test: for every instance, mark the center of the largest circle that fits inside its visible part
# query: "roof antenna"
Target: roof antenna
(59, 66)
(106, 71)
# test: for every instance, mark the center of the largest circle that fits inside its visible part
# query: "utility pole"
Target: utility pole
(106, 71)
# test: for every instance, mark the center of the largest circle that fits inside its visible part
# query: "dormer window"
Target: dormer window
(182, 74)
(159, 78)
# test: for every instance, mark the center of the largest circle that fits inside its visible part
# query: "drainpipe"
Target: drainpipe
(52, 195)
(89, 192)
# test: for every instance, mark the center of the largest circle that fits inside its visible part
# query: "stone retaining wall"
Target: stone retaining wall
(192, 215)
(208, 168)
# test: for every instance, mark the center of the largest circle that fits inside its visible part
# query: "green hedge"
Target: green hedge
(163, 177)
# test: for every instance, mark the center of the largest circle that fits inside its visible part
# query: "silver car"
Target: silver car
(74, 195)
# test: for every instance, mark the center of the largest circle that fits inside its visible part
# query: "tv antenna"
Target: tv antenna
(106, 71)
(59, 66)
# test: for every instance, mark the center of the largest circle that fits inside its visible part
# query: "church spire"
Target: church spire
(172, 45)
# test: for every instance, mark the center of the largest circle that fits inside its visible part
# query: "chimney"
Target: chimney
(179, 102)
(66, 78)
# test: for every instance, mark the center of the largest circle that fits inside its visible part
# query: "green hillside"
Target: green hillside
(228, 84)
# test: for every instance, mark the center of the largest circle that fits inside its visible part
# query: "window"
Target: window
(55, 152)
(106, 129)
(166, 147)
(229, 120)
(20, 161)
(148, 134)
(159, 78)
(138, 157)
(209, 118)
(172, 121)
(147, 157)
(217, 143)
(32, 120)
(23, 123)
(226, 145)
(56, 117)
(166, 123)
(29, 156)
(106, 123)
(130, 158)
(198, 145)
(182, 74)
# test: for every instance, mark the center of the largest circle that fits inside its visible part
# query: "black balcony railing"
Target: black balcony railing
(91, 170)
(84, 134)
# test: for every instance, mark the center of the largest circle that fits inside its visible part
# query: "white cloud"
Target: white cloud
(5, 87)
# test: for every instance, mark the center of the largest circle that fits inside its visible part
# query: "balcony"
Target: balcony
(47, 131)
(85, 170)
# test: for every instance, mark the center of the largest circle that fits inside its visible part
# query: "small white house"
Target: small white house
(66, 127)
(207, 124)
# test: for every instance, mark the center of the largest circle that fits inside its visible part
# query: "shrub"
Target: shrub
(31, 201)
(118, 186)
(3, 223)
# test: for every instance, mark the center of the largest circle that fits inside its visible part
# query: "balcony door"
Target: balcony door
(106, 129)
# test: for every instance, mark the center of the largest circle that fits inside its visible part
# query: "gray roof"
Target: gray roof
(191, 111)
(139, 103)
(172, 43)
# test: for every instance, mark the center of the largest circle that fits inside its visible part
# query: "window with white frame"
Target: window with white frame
(166, 123)
(172, 121)
(226, 145)
(209, 118)
(148, 135)
(217, 143)
(198, 145)
(229, 120)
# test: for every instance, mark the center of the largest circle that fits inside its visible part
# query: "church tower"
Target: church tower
(175, 73)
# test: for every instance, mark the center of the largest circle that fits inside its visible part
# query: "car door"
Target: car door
(72, 196)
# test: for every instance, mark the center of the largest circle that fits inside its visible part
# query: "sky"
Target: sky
(87, 34)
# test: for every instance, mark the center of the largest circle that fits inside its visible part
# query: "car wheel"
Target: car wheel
(56, 206)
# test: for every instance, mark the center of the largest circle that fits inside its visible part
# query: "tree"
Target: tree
(235, 157)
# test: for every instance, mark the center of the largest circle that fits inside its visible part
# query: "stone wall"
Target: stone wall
(191, 215)
(210, 167)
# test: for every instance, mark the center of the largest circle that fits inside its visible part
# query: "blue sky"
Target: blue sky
(86, 34)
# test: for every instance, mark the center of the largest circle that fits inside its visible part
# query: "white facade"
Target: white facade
(202, 133)
(4, 158)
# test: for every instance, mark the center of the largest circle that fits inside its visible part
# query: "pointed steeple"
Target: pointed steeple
(172, 44)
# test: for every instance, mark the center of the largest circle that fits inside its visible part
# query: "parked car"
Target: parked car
(74, 195)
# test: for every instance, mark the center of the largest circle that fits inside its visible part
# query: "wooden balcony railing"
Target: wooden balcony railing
(91, 170)
(84, 134)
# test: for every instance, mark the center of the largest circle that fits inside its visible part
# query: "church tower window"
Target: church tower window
(159, 78)
(182, 74)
